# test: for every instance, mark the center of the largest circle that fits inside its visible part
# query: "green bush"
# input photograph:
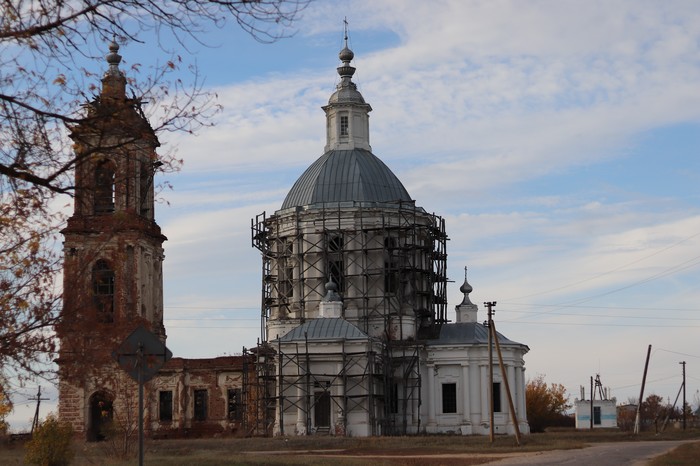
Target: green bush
(51, 444)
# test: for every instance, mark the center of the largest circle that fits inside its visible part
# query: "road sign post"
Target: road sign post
(141, 355)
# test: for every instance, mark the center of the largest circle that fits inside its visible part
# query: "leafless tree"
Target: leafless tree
(48, 72)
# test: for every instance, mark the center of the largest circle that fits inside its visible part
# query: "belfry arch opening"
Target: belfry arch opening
(104, 188)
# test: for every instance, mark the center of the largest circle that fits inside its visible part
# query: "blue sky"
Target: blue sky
(559, 140)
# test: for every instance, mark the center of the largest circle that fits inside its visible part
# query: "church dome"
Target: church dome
(346, 175)
(347, 171)
(348, 94)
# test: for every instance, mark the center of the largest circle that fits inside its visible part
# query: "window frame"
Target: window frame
(103, 290)
(104, 194)
(165, 406)
(497, 405)
(344, 125)
(449, 398)
(597, 415)
(200, 405)
(234, 404)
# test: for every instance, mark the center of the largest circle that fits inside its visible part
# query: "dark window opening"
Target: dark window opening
(449, 398)
(234, 404)
(344, 125)
(391, 270)
(104, 189)
(596, 415)
(497, 397)
(286, 269)
(165, 406)
(394, 399)
(145, 181)
(391, 278)
(200, 405)
(286, 286)
(335, 244)
(336, 265)
(103, 291)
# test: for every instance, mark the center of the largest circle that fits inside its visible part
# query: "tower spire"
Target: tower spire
(346, 71)
(114, 81)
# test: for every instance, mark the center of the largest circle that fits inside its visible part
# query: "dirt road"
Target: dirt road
(600, 454)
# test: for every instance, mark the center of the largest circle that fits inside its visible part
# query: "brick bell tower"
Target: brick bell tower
(113, 252)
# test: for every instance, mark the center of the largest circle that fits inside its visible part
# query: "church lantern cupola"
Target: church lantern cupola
(347, 113)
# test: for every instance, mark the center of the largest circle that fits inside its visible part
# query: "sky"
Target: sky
(560, 140)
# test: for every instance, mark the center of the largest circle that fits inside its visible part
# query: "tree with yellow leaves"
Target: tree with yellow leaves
(5, 409)
(546, 405)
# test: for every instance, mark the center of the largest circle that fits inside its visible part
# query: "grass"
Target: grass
(356, 451)
(687, 454)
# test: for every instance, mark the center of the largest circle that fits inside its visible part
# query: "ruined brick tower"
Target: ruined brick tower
(113, 251)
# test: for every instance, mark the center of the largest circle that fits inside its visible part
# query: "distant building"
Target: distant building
(603, 412)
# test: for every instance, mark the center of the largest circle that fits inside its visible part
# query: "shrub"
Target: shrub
(51, 444)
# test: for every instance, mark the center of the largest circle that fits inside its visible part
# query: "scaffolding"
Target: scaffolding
(403, 248)
(258, 390)
(389, 263)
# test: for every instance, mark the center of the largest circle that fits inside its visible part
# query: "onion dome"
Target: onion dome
(466, 288)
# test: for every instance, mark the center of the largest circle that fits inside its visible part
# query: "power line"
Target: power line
(676, 352)
(596, 324)
(694, 261)
(608, 316)
(595, 277)
(675, 309)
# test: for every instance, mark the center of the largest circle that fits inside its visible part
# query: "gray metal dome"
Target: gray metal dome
(347, 94)
(346, 175)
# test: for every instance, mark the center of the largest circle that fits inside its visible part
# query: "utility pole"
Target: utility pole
(490, 305)
(35, 422)
(637, 420)
(513, 414)
(592, 397)
(683, 406)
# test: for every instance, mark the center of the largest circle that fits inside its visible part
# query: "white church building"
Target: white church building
(355, 338)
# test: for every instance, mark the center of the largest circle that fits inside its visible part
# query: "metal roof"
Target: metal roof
(325, 329)
(346, 175)
(467, 333)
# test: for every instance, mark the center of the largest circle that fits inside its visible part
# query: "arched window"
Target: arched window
(104, 188)
(103, 291)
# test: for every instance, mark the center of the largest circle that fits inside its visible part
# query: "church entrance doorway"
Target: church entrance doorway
(322, 409)
(100, 416)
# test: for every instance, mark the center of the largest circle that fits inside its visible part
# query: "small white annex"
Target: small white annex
(604, 414)
(331, 379)
(457, 379)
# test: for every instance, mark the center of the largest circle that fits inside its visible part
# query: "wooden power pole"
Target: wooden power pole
(490, 305)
